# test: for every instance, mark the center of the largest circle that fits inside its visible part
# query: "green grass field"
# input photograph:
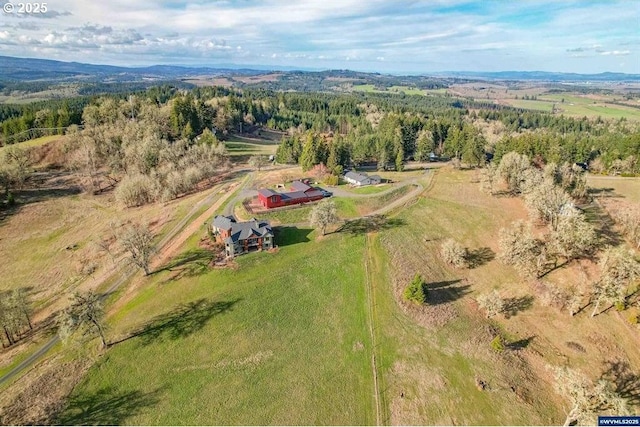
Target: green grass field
(34, 142)
(392, 89)
(289, 337)
(577, 106)
(626, 188)
(280, 340)
(240, 148)
(368, 189)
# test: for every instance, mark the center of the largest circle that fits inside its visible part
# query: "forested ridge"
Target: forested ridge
(352, 128)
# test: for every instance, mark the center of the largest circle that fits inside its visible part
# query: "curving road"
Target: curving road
(126, 274)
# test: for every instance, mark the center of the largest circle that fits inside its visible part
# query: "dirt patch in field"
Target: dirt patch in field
(210, 81)
(273, 77)
(40, 394)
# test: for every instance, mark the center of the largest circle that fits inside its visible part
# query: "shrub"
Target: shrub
(453, 253)
(11, 200)
(416, 291)
(497, 344)
(491, 303)
(136, 190)
(634, 319)
(331, 180)
(620, 305)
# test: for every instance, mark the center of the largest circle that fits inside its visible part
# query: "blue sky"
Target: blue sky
(368, 35)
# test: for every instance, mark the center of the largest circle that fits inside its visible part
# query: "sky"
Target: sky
(400, 37)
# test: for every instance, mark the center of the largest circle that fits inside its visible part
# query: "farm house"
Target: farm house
(242, 237)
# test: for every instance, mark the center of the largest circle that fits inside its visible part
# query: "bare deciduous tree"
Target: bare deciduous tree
(15, 314)
(323, 214)
(489, 179)
(619, 269)
(511, 169)
(491, 303)
(85, 315)
(137, 240)
(14, 167)
(548, 202)
(520, 249)
(573, 236)
(628, 217)
(453, 253)
(258, 162)
(587, 399)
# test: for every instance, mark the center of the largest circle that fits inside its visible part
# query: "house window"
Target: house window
(274, 199)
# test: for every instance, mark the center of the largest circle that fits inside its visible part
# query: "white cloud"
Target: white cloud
(324, 33)
(615, 52)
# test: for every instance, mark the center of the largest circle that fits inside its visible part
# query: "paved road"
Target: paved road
(125, 274)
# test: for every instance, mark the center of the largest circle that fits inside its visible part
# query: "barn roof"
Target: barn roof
(266, 192)
(301, 194)
(300, 186)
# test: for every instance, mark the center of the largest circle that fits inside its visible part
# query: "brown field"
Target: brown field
(437, 365)
(627, 189)
(210, 81)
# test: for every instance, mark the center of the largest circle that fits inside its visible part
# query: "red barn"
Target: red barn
(301, 193)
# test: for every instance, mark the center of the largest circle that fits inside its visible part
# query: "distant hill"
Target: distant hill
(26, 69)
(29, 69)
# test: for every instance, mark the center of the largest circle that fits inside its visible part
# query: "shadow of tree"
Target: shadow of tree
(445, 292)
(513, 306)
(520, 344)
(106, 406)
(478, 257)
(39, 187)
(604, 224)
(181, 322)
(604, 192)
(369, 224)
(190, 263)
(626, 382)
(288, 235)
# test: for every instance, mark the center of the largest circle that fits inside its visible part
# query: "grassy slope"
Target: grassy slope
(576, 106)
(291, 348)
(625, 188)
(35, 142)
(367, 189)
(435, 367)
(293, 345)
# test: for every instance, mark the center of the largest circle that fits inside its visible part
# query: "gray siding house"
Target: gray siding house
(360, 178)
(242, 237)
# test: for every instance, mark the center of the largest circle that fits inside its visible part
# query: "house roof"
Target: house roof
(266, 192)
(246, 229)
(300, 186)
(224, 222)
(355, 176)
(376, 177)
